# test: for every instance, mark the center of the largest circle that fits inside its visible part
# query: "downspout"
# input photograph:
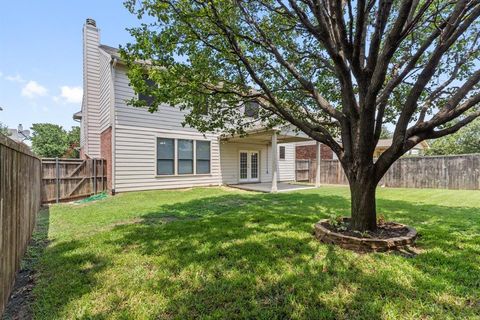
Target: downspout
(113, 64)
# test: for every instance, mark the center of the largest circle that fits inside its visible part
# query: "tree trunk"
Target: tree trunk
(364, 214)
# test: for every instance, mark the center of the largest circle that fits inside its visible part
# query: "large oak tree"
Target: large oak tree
(337, 70)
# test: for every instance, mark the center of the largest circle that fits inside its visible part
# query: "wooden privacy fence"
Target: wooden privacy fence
(71, 179)
(19, 203)
(303, 170)
(441, 172)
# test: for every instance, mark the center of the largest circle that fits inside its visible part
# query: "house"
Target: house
(19, 135)
(305, 150)
(154, 151)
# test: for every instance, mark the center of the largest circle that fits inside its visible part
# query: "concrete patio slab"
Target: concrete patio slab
(267, 187)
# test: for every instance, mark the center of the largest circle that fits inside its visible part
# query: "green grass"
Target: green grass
(217, 253)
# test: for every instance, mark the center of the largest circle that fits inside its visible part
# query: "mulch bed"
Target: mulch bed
(389, 236)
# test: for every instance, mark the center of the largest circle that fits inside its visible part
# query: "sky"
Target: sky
(41, 56)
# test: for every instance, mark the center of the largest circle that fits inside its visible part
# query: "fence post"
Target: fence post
(57, 180)
(102, 174)
(94, 176)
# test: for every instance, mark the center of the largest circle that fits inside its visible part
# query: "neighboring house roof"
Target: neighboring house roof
(382, 143)
(385, 143)
(19, 135)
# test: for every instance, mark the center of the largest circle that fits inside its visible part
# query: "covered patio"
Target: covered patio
(267, 187)
(271, 138)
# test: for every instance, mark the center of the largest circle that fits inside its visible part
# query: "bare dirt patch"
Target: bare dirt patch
(21, 298)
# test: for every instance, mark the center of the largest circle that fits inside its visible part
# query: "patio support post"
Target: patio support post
(274, 162)
(317, 173)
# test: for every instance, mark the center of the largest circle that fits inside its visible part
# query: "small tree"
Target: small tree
(49, 140)
(331, 68)
(4, 130)
(73, 142)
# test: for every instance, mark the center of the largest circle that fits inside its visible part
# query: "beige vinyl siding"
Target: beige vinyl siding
(286, 167)
(83, 131)
(229, 153)
(229, 157)
(136, 132)
(91, 87)
(105, 91)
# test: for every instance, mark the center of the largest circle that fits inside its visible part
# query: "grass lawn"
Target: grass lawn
(220, 253)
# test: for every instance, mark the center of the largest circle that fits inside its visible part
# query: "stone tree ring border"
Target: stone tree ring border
(364, 244)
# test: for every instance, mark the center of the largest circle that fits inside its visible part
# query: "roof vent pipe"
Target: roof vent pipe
(91, 22)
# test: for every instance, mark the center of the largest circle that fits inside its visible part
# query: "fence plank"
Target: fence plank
(441, 172)
(20, 194)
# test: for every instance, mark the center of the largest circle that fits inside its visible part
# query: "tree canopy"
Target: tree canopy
(465, 141)
(51, 140)
(336, 70)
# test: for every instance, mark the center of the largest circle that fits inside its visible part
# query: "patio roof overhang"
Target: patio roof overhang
(285, 134)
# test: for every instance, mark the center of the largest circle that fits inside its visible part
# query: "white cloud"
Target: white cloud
(70, 94)
(33, 89)
(15, 78)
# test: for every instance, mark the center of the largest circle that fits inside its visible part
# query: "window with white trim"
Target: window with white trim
(148, 99)
(183, 156)
(281, 152)
(165, 156)
(203, 157)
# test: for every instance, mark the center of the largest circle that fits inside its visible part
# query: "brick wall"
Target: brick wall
(310, 152)
(106, 153)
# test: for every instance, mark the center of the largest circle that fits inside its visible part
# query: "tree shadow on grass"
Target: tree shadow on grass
(21, 297)
(253, 256)
(64, 271)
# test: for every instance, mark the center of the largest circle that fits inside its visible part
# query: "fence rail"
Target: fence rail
(71, 179)
(19, 203)
(440, 172)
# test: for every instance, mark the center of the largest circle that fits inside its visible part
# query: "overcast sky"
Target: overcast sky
(41, 56)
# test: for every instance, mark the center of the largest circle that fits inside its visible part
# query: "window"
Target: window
(190, 156)
(165, 156)
(202, 106)
(203, 157)
(185, 156)
(251, 109)
(282, 152)
(145, 97)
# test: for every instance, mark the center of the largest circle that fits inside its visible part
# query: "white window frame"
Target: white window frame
(284, 153)
(175, 138)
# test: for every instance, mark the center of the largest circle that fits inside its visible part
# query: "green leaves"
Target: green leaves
(466, 140)
(51, 140)
(310, 67)
(4, 130)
